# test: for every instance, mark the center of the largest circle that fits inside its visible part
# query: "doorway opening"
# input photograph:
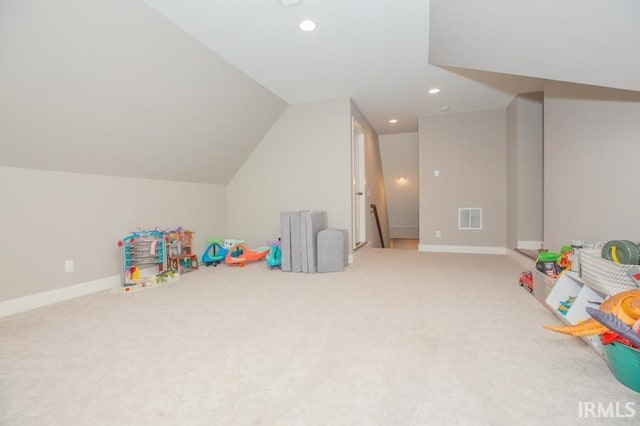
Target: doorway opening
(399, 156)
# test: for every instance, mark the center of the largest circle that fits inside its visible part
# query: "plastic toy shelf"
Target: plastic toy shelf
(572, 295)
(143, 248)
(542, 285)
(183, 263)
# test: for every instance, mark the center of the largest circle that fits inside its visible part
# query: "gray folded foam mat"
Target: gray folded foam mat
(296, 239)
(314, 223)
(333, 254)
(298, 234)
(285, 241)
(304, 261)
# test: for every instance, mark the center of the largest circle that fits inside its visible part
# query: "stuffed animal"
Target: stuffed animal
(625, 306)
(614, 324)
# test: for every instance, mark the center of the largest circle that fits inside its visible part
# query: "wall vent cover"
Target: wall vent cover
(470, 218)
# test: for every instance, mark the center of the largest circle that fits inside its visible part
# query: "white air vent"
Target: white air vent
(470, 218)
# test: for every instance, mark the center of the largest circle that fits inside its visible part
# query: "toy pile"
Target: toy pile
(234, 253)
(624, 306)
(617, 321)
(624, 361)
(552, 264)
(622, 343)
(611, 269)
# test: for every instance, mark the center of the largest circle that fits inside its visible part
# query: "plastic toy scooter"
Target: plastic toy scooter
(214, 254)
(241, 259)
(274, 257)
(217, 251)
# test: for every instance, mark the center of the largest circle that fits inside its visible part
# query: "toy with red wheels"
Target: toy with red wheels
(244, 255)
(526, 281)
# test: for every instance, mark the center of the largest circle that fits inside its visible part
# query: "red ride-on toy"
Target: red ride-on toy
(526, 281)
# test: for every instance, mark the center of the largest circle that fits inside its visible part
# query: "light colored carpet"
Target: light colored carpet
(399, 338)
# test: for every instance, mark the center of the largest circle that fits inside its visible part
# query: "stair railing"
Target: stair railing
(374, 210)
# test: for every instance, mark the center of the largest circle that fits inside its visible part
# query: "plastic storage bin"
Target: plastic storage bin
(624, 362)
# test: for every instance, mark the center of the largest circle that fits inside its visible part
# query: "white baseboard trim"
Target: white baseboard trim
(430, 248)
(529, 245)
(523, 260)
(350, 260)
(21, 304)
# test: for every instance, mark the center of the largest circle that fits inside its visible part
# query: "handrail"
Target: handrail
(375, 213)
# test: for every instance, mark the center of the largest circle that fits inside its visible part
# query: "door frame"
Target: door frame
(358, 186)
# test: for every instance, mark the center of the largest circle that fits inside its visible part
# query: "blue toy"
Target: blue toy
(274, 257)
(214, 253)
(217, 251)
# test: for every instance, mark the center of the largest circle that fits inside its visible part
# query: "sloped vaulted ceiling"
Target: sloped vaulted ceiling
(111, 87)
(589, 42)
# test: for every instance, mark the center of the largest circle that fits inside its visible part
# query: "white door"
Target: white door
(359, 198)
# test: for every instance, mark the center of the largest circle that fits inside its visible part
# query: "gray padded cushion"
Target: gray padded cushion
(296, 254)
(304, 261)
(314, 222)
(298, 233)
(285, 241)
(332, 250)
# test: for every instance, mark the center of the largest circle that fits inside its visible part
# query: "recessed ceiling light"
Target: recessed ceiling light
(434, 91)
(289, 3)
(393, 121)
(307, 25)
(444, 108)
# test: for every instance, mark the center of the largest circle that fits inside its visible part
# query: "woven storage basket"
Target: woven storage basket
(603, 275)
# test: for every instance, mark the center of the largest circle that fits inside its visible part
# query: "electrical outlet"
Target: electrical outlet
(438, 234)
(68, 265)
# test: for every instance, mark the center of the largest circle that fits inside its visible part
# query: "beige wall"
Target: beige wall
(374, 181)
(111, 87)
(469, 150)
(303, 162)
(50, 217)
(512, 174)
(530, 167)
(399, 154)
(590, 160)
(524, 171)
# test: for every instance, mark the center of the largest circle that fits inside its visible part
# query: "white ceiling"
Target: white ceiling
(374, 51)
